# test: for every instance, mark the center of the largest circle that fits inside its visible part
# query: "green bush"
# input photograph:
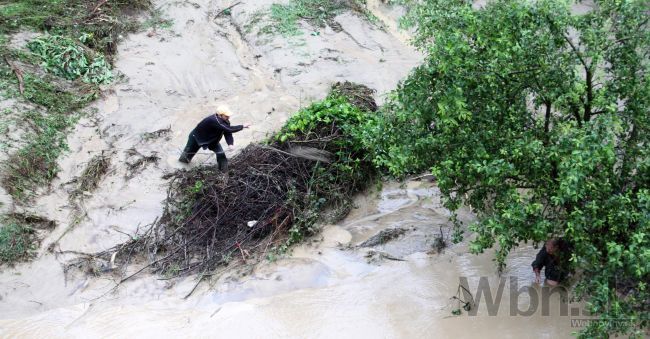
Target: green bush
(333, 184)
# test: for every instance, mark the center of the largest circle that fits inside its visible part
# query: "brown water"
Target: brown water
(328, 287)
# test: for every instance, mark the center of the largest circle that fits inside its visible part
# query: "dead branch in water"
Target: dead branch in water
(91, 176)
(141, 162)
(156, 134)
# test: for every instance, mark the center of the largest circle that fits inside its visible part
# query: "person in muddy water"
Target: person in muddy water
(208, 133)
(552, 256)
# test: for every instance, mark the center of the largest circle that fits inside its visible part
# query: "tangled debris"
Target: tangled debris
(164, 132)
(91, 176)
(137, 162)
(360, 96)
(272, 196)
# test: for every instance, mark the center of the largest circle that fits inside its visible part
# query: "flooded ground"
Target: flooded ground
(329, 287)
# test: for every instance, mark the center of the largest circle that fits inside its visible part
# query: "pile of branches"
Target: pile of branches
(359, 95)
(272, 195)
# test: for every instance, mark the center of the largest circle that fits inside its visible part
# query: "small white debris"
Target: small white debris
(252, 223)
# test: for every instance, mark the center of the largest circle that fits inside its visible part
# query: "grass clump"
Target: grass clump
(317, 12)
(34, 165)
(17, 241)
(19, 236)
(68, 59)
(285, 17)
(103, 23)
(92, 175)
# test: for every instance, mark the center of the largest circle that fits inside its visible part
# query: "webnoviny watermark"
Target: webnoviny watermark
(536, 295)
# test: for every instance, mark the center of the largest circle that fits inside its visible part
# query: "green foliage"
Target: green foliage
(68, 59)
(35, 164)
(198, 186)
(334, 110)
(350, 153)
(286, 16)
(349, 171)
(103, 28)
(17, 242)
(538, 118)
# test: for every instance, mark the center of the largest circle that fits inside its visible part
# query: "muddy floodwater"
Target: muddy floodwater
(329, 287)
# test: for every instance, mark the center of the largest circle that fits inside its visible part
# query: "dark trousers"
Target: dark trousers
(192, 147)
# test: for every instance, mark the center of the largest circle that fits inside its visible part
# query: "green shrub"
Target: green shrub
(332, 184)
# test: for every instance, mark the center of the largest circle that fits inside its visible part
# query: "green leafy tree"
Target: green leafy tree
(537, 117)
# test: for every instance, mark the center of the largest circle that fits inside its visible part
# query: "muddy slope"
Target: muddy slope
(171, 79)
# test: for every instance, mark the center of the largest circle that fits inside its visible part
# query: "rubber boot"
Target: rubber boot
(186, 157)
(222, 162)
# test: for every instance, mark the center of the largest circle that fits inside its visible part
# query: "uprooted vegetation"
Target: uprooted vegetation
(272, 196)
(19, 236)
(92, 175)
(285, 18)
(102, 22)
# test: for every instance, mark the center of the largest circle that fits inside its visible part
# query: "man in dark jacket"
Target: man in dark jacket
(553, 256)
(208, 133)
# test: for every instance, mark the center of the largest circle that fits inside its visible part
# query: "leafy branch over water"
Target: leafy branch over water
(537, 118)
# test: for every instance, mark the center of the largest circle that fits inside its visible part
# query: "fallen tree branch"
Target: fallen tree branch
(19, 75)
(95, 9)
(227, 8)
